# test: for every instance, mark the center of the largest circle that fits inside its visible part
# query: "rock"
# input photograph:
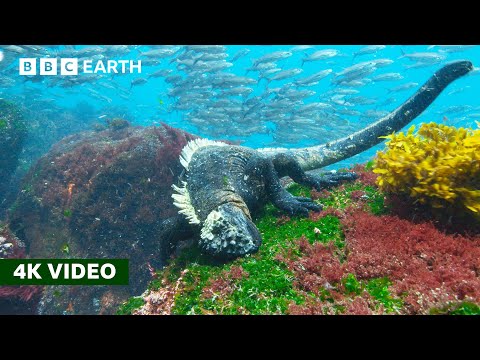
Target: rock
(101, 194)
(12, 136)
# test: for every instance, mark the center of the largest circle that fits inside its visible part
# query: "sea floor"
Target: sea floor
(363, 254)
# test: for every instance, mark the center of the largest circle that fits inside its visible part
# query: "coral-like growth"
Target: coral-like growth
(10, 246)
(438, 166)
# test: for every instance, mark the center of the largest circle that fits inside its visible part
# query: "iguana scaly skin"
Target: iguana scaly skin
(223, 184)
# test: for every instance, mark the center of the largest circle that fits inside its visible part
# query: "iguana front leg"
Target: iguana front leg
(171, 231)
(286, 165)
(281, 198)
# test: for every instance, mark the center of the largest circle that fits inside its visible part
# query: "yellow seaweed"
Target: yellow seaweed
(437, 166)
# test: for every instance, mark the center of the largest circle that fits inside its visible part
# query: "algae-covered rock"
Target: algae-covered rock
(12, 135)
(101, 195)
(16, 299)
(47, 123)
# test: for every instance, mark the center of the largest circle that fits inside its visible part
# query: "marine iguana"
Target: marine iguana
(110, 214)
(224, 184)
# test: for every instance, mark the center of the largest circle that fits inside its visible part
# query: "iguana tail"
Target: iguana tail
(322, 155)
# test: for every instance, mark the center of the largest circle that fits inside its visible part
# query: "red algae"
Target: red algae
(224, 284)
(427, 267)
(28, 294)
(366, 177)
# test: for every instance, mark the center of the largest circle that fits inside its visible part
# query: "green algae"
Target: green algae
(378, 288)
(130, 306)
(299, 190)
(462, 308)
(376, 201)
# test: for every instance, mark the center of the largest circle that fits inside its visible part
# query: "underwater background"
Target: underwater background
(271, 123)
(88, 161)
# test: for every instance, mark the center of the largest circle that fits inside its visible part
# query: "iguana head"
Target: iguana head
(229, 232)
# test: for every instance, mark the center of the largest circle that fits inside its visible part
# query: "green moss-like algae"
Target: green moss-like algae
(463, 308)
(128, 307)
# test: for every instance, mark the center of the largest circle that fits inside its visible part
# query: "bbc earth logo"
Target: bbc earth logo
(72, 66)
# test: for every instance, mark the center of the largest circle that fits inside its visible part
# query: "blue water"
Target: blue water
(149, 104)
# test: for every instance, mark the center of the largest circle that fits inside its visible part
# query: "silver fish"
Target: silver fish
(418, 65)
(240, 91)
(459, 90)
(315, 78)
(150, 62)
(285, 74)
(158, 53)
(173, 79)
(371, 49)
(380, 63)
(211, 57)
(388, 77)
(361, 100)
(314, 106)
(348, 112)
(424, 57)
(297, 94)
(452, 48)
(14, 49)
(321, 55)
(356, 83)
(116, 50)
(261, 67)
(388, 101)
(213, 66)
(352, 76)
(275, 56)
(403, 87)
(301, 48)
(212, 49)
(357, 68)
(374, 114)
(239, 54)
(160, 73)
(138, 81)
(90, 51)
(346, 91)
(456, 109)
(230, 81)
